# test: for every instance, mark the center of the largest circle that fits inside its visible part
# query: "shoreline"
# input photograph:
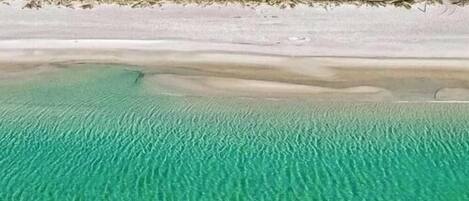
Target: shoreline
(196, 73)
(148, 52)
(267, 52)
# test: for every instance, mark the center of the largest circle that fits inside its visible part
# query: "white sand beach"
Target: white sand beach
(349, 31)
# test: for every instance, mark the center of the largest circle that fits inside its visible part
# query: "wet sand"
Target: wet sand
(196, 73)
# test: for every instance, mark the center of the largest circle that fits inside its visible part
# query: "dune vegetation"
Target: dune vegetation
(88, 4)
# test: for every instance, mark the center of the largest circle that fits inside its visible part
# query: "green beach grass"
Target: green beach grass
(89, 4)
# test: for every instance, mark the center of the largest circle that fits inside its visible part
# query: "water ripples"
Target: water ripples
(101, 137)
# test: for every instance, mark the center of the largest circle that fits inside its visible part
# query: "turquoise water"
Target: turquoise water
(100, 134)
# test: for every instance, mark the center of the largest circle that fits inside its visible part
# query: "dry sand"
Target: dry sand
(442, 31)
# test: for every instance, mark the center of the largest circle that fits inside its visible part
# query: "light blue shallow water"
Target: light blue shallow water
(99, 134)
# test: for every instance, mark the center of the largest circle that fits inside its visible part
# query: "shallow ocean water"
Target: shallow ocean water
(98, 133)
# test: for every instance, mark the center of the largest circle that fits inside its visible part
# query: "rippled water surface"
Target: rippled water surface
(100, 134)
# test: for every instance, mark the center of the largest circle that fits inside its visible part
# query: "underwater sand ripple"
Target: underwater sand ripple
(123, 143)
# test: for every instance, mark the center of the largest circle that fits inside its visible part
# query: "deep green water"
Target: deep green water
(100, 134)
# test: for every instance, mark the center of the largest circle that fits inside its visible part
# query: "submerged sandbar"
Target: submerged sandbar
(205, 73)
